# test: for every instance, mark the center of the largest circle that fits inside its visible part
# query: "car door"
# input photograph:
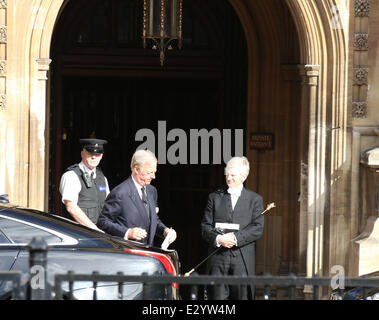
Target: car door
(15, 235)
(8, 256)
(8, 253)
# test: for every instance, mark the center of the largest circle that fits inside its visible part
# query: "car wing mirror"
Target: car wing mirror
(4, 198)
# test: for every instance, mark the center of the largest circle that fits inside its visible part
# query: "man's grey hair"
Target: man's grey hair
(241, 163)
(140, 157)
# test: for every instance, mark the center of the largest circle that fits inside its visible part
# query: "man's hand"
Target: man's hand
(227, 240)
(172, 235)
(137, 233)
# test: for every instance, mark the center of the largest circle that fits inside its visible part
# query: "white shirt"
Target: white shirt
(138, 186)
(235, 193)
(70, 185)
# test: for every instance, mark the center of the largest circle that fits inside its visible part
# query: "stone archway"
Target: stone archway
(324, 126)
(323, 66)
(23, 131)
(46, 14)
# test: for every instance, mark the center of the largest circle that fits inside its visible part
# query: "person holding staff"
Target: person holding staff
(233, 220)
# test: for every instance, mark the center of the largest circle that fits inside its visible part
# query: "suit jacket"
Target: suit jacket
(123, 209)
(246, 213)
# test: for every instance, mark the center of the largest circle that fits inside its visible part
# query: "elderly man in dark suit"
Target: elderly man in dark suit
(233, 220)
(131, 209)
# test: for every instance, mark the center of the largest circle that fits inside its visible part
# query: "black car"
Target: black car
(73, 247)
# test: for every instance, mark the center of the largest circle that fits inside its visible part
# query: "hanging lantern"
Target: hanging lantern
(162, 24)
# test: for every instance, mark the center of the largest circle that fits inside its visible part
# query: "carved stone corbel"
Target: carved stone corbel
(359, 109)
(362, 8)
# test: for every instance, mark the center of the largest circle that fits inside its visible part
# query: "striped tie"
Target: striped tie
(145, 202)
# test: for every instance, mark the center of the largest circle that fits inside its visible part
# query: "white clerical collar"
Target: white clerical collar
(84, 168)
(236, 191)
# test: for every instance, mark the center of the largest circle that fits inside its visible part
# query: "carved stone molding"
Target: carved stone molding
(3, 63)
(3, 68)
(359, 109)
(3, 34)
(310, 74)
(360, 76)
(361, 41)
(43, 66)
(362, 8)
(3, 102)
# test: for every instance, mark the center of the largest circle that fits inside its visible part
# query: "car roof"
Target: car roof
(32, 214)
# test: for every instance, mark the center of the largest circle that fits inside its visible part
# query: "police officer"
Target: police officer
(84, 187)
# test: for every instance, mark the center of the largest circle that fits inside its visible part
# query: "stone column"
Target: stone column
(361, 217)
(354, 200)
(3, 99)
(290, 104)
(309, 219)
(37, 169)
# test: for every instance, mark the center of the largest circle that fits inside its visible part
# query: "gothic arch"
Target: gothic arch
(43, 21)
(323, 68)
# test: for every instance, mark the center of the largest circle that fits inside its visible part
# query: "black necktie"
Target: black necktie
(145, 203)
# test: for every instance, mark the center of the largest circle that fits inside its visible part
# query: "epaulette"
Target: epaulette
(72, 167)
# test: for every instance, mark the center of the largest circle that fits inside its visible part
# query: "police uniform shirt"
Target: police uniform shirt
(70, 185)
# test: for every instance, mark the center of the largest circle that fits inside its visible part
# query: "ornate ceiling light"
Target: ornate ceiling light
(162, 23)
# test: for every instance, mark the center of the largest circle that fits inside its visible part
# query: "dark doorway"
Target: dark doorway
(125, 105)
(105, 85)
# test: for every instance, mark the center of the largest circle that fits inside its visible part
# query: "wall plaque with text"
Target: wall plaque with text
(261, 141)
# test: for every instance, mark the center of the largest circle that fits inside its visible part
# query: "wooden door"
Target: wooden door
(104, 84)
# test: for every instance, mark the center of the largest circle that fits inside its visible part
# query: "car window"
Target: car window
(19, 232)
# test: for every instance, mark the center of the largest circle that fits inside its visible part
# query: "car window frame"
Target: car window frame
(66, 240)
(3, 235)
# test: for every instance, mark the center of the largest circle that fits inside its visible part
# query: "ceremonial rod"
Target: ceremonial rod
(269, 207)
